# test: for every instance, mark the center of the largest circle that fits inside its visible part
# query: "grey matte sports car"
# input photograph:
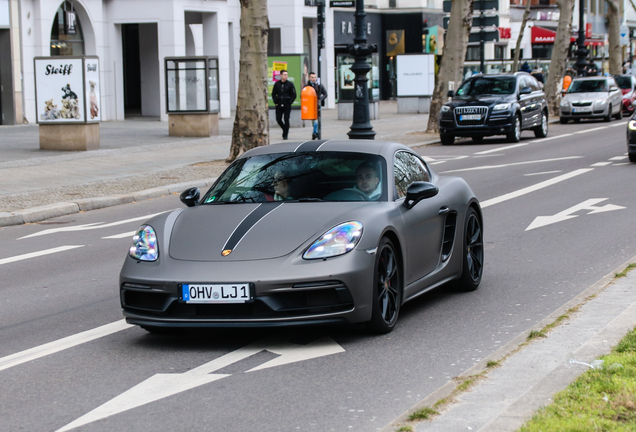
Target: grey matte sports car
(305, 233)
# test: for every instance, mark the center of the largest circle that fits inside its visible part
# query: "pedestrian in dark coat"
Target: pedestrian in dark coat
(283, 95)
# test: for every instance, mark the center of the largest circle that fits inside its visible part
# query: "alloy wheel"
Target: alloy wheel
(474, 248)
(388, 285)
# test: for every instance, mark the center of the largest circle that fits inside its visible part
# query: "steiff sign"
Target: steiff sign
(67, 89)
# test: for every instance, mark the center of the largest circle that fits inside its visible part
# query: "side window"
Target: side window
(534, 84)
(407, 169)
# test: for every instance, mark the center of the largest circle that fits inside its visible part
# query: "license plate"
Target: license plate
(216, 293)
(470, 117)
(584, 109)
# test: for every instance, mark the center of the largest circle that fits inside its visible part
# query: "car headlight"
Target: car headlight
(337, 241)
(445, 108)
(600, 102)
(565, 103)
(501, 107)
(144, 247)
(632, 125)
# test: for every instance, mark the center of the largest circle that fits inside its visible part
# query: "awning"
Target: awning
(540, 35)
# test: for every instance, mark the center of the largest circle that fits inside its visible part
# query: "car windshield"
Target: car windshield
(301, 177)
(487, 86)
(624, 82)
(588, 86)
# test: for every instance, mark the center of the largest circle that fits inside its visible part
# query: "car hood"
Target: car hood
(585, 97)
(252, 231)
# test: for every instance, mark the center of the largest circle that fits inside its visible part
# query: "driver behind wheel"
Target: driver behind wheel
(368, 180)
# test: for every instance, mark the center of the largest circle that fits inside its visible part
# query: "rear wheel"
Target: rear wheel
(515, 134)
(632, 157)
(577, 120)
(387, 289)
(473, 252)
(478, 138)
(542, 131)
(447, 139)
(563, 120)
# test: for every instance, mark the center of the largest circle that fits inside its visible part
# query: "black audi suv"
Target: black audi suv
(487, 105)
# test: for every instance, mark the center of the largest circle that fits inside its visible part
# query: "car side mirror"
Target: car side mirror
(525, 91)
(450, 93)
(190, 197)
(613, 88)
(417, 191)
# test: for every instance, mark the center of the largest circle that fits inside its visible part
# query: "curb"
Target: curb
(37, 214)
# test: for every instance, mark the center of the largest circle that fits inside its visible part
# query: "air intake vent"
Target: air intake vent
(449, 235)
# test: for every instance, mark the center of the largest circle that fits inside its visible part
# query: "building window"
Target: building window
(500, 52)
(512, 53)
(472, 53)
(273, 41)
(66, 35)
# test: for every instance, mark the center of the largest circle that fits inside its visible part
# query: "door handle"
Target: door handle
(444, 210)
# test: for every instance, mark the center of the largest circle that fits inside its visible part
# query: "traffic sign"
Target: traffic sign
(342, 3)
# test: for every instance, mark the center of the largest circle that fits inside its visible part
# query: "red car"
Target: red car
(627, 83)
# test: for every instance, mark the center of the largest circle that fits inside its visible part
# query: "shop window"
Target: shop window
(66, 35)
(542, 50)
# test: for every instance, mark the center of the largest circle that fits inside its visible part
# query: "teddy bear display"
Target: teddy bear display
(93, 99)
(50, 111)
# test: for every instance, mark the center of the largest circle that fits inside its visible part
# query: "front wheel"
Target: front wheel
(563, 120)
(608, 118)
(447, 139)
(619, 114)
(515, 134)
(387, 289)
(542, 131)
(632, 157)
(473, 253)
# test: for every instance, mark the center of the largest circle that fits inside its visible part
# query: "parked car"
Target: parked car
(487, 105)
(627, 84)
(592, 97)
(305, 233)
(631, 138)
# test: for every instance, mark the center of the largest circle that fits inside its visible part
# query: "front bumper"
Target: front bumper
(568, 113)
(286, 291)
(499, 124)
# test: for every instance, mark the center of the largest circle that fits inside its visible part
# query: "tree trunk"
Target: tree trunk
(614, 36)
(452, 66)
(559, 56)
(251, 124)
(524, 21)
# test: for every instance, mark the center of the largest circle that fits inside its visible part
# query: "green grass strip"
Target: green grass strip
(601, 400)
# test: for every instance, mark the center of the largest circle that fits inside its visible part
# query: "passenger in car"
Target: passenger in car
(368, 180)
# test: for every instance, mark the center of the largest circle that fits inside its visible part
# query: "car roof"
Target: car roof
(591, 78)
(355, 146)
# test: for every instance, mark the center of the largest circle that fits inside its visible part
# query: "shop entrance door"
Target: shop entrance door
(140, 49)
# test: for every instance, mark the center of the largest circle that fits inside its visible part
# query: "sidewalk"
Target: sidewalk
(137, 157)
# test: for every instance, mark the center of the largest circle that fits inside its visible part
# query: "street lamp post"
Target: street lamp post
(581, 52)
(361, 127)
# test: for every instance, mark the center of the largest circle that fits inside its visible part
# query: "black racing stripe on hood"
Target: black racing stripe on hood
(310, 146)
(252, 219)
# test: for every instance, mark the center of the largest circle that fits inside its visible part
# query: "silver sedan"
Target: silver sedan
(591, 97)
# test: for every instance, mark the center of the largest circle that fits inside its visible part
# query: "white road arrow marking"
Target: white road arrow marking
(541, 221)
(87, 227)
(39, 253)
(160, 386)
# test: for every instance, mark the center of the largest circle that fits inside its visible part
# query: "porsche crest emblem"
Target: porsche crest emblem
(226, 252)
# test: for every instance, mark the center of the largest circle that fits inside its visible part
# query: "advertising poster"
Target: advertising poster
(59, 87)
(91, 84)
(296, 65)
(415, 74)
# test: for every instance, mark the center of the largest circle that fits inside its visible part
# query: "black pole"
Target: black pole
(321, 45)
(581, 52)
(481, 37)
(361, 127)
